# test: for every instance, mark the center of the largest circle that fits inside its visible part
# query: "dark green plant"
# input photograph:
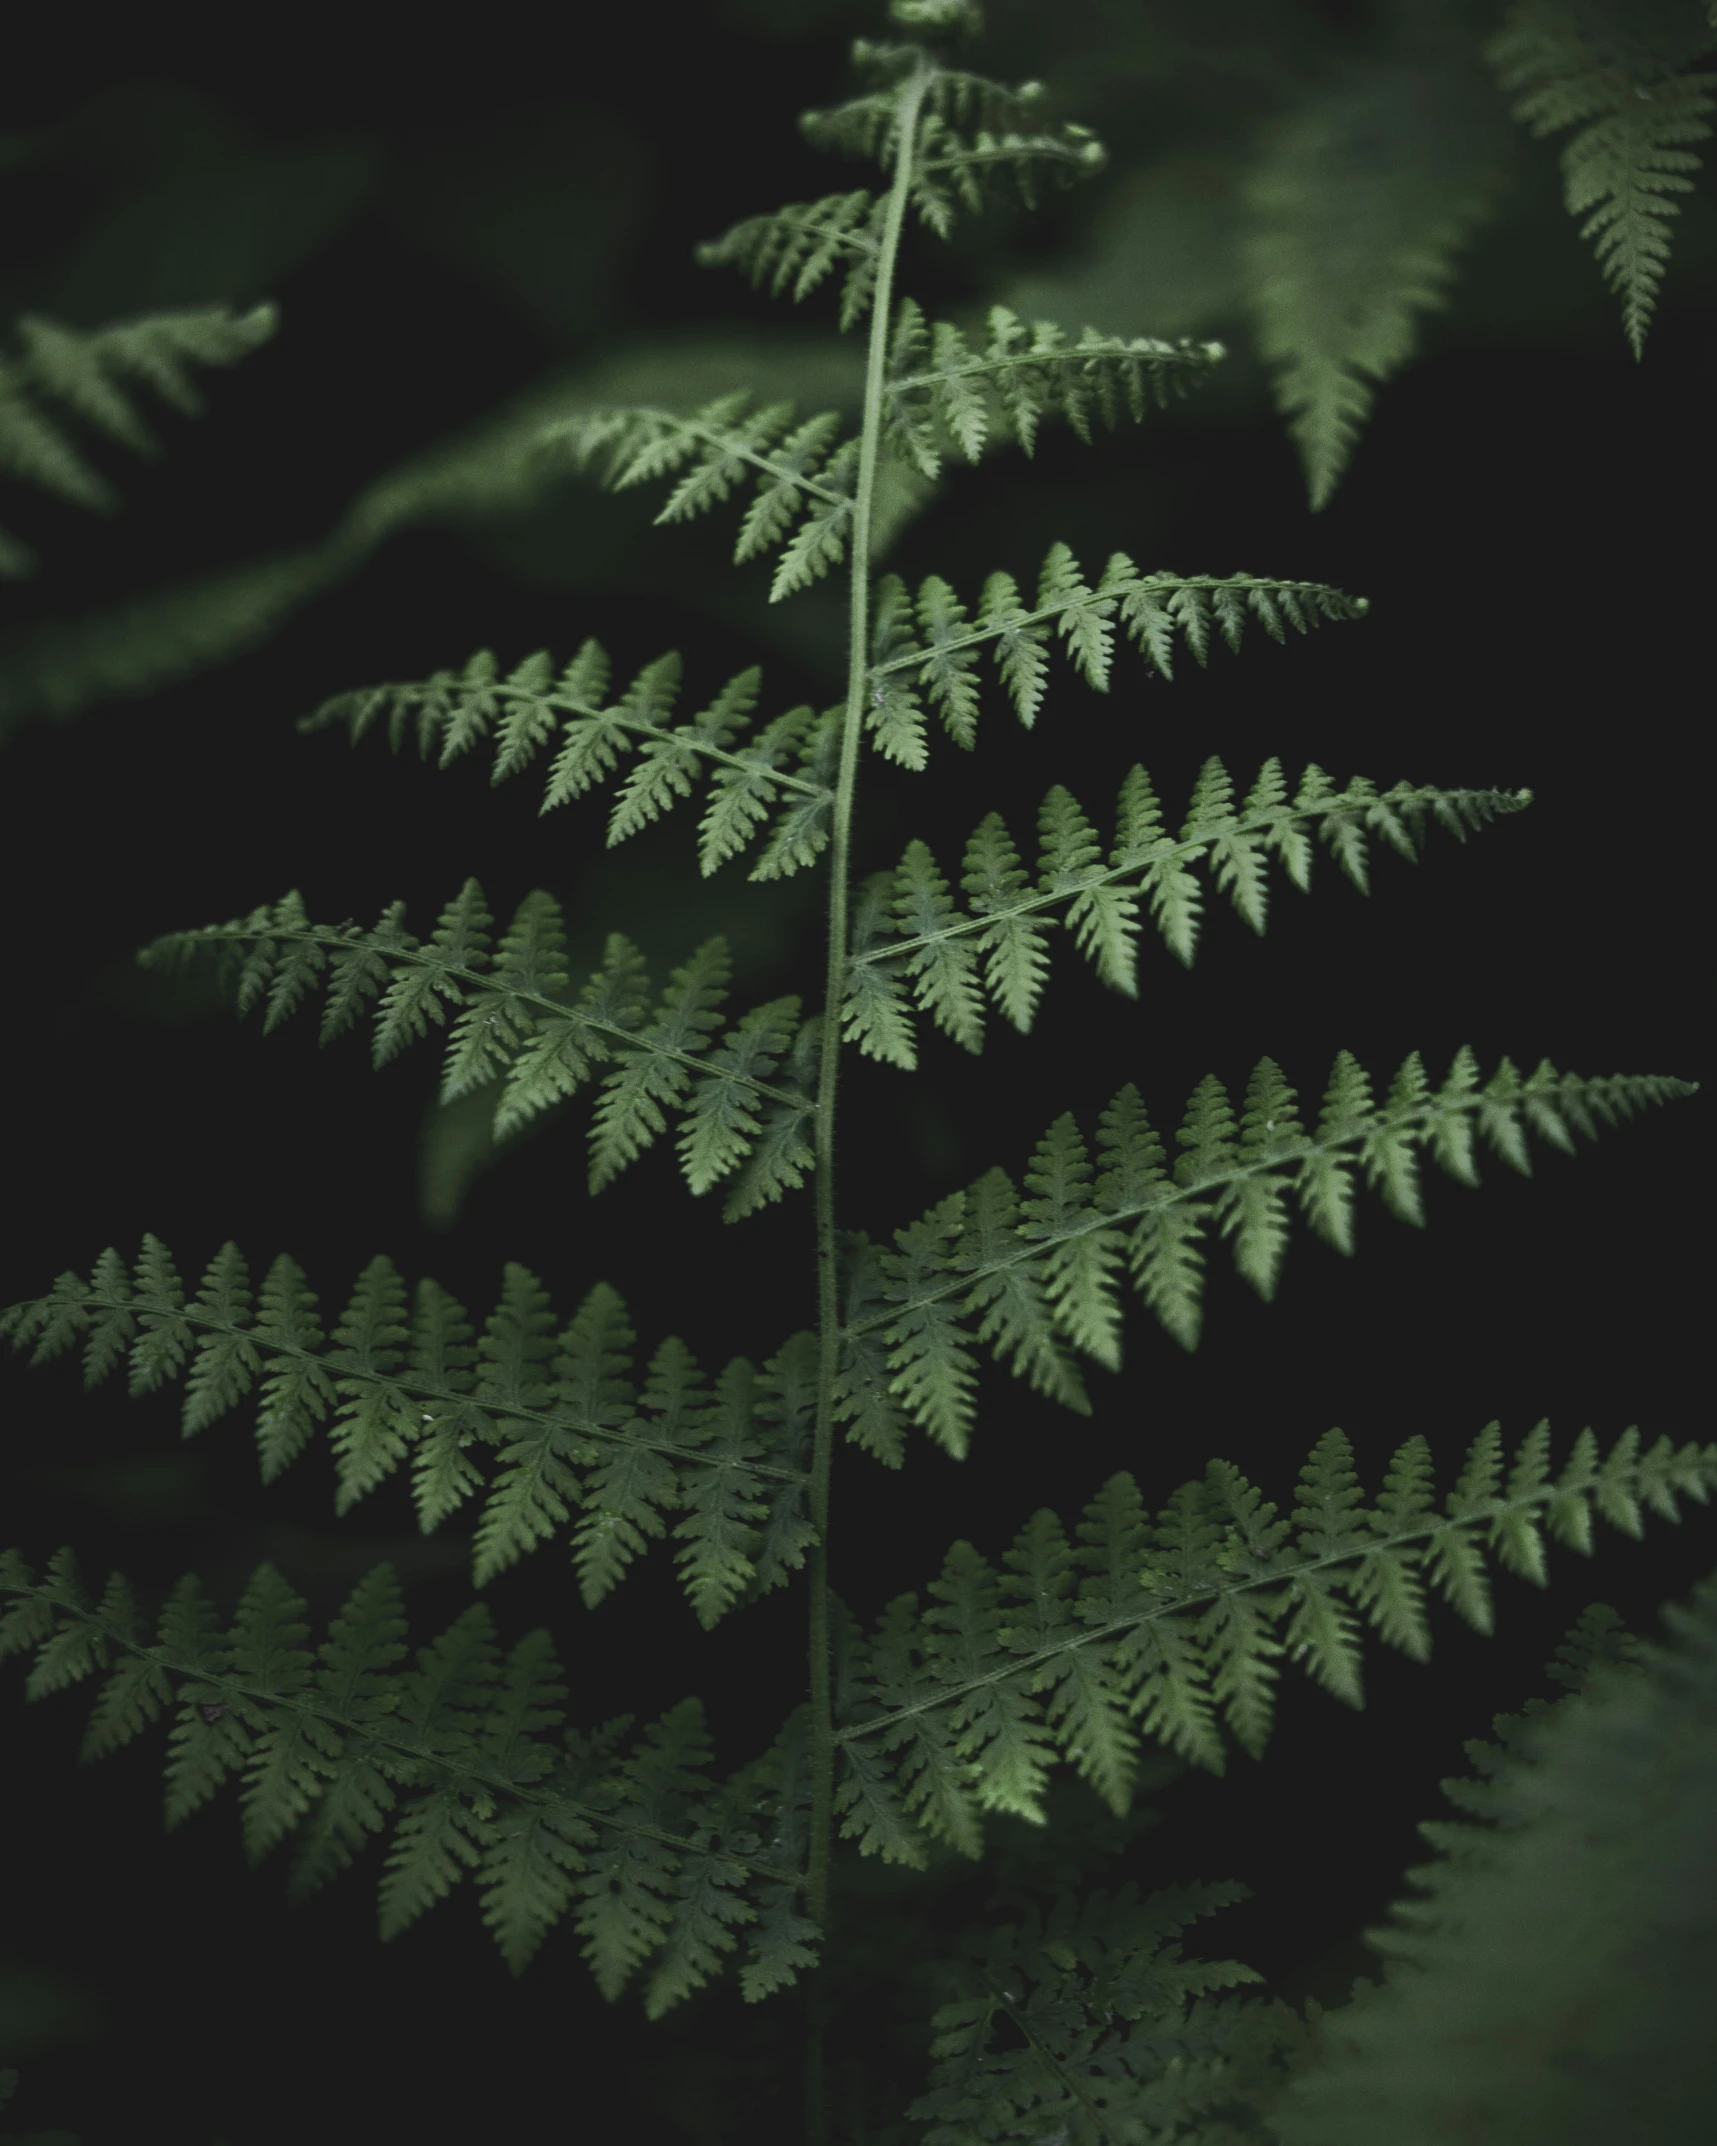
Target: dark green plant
(1087, 1641)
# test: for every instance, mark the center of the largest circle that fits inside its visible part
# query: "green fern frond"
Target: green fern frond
(1182, 1623)
(1612, 69)
(88, 370)
(1043, 1271)
(931, 644)
(570, 1430)
(1020, 377)
(806, 476)
(1359, 204)
(803, 241)
(1555, 1970)
(914, 939)
(1087, 2022)
(523, 710)
(512, 1023)
(648, 1857)
(953, 169)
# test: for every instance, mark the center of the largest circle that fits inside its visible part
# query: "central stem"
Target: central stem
(822, 1740)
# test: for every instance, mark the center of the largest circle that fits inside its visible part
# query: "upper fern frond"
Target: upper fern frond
(633, 1839)
(1612, 68)
(1021, 376)
(804, 240)
(570, 1428)
(513, 1024)
(952, 168)
(804, 477)
(932, 643)
(84, 369)
(909, 935)
(1039, 1275)
(962, 1708)
(523, 709)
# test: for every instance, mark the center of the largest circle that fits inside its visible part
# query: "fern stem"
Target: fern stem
(828, 1279)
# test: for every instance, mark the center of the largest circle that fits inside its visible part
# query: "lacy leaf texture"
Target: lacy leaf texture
(1087, 1640)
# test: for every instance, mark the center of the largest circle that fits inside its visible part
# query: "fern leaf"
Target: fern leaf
(1150, 607)
(87, 370)
(514, 1026)
(457, 1752)
(1360, 202)
(1615, 72)
(401, 1381)
(1531, 1975)
(947, 958)
(523, 710)
(1037, 1283)
(1164, 1623)
(803, 241)
(938, 388)
(804, 478)
(1070, 2023)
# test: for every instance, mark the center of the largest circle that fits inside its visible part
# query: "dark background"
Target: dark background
(469, 225)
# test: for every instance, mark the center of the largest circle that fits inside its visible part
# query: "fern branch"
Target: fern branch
(459, 709)
(1359, 204)
(647, 1855)
(86, 370)
(1041, 1274)
(1614, 71)
(512, 1024)
(1174, 1623)
(1028, 373)
(570, 1430)
(931, 643)
(915, 938)
(804, 477)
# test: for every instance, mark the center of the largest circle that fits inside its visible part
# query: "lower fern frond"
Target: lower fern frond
(653, 1862)
(570, 1430)
(1173, 1624)
(1041, 1274)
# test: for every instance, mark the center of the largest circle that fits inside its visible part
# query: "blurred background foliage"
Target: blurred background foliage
(463, 237)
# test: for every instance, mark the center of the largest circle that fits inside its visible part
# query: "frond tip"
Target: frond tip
(1183, 1624)
(1614, 71)
(1039, 1275)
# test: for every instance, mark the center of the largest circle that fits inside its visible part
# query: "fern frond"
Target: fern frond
(918, 942)
(1359, 204)
(457, 710)
(1087, 2022)
(570, 1431)
(804, 476)
(953, 168)
(1021, 376)
(803, 241)
(1612, 68)
(1180, 1624)
(88, 370)
(647, 1855)
(1547, 1972)
(1058, 1252)
(512, 1023)
(932, 644)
